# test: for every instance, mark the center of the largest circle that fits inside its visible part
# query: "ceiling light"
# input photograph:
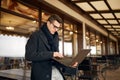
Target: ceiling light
(34, 21)
(100, 41)
(97, 40)
(9, 27)
(71, 32)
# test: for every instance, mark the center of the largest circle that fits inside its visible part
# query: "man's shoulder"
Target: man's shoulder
(37, 33)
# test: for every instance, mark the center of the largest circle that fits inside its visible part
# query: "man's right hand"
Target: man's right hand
(57, 55)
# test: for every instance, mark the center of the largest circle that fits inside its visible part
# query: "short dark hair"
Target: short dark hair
(55, 17)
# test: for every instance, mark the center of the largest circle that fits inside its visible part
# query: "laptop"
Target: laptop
(67, 61)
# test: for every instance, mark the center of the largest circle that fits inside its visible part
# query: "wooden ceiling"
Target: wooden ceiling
(105, 12)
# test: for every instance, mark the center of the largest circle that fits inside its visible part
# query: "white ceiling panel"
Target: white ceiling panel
(99, 5)
(107, 15)
(117, 29)
(111, 29)
(117, 15)
(108, 26)
(114, 4)
(114, 32)
(112, 21)
(85, 6)
(116, 26)
(102, 21)
(96, 16)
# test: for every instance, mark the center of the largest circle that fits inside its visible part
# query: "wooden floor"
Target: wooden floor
(113, 74)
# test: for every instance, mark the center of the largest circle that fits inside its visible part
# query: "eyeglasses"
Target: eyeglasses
(56, 27)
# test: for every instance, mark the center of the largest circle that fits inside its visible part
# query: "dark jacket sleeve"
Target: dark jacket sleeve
(36, 50)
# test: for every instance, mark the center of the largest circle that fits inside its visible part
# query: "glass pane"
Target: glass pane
(112, 47)
(75, 45)
(104, 42)
(67, 43)
(87, 40)
(98, 45)
(75, 41)
(92, 43)
(68, 26)
(60, 41)
(12, 23)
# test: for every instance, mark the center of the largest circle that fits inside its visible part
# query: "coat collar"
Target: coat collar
(44, 39)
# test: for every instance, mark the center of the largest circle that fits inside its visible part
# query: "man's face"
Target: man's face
(53, 26)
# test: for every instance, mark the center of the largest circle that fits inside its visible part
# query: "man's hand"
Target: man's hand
(75, 65)
(57, 55)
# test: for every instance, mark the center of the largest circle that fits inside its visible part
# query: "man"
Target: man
(41, 47)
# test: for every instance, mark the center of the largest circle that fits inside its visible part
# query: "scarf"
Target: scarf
(52, 38)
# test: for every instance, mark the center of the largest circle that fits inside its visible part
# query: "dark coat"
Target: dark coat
(38, 51)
